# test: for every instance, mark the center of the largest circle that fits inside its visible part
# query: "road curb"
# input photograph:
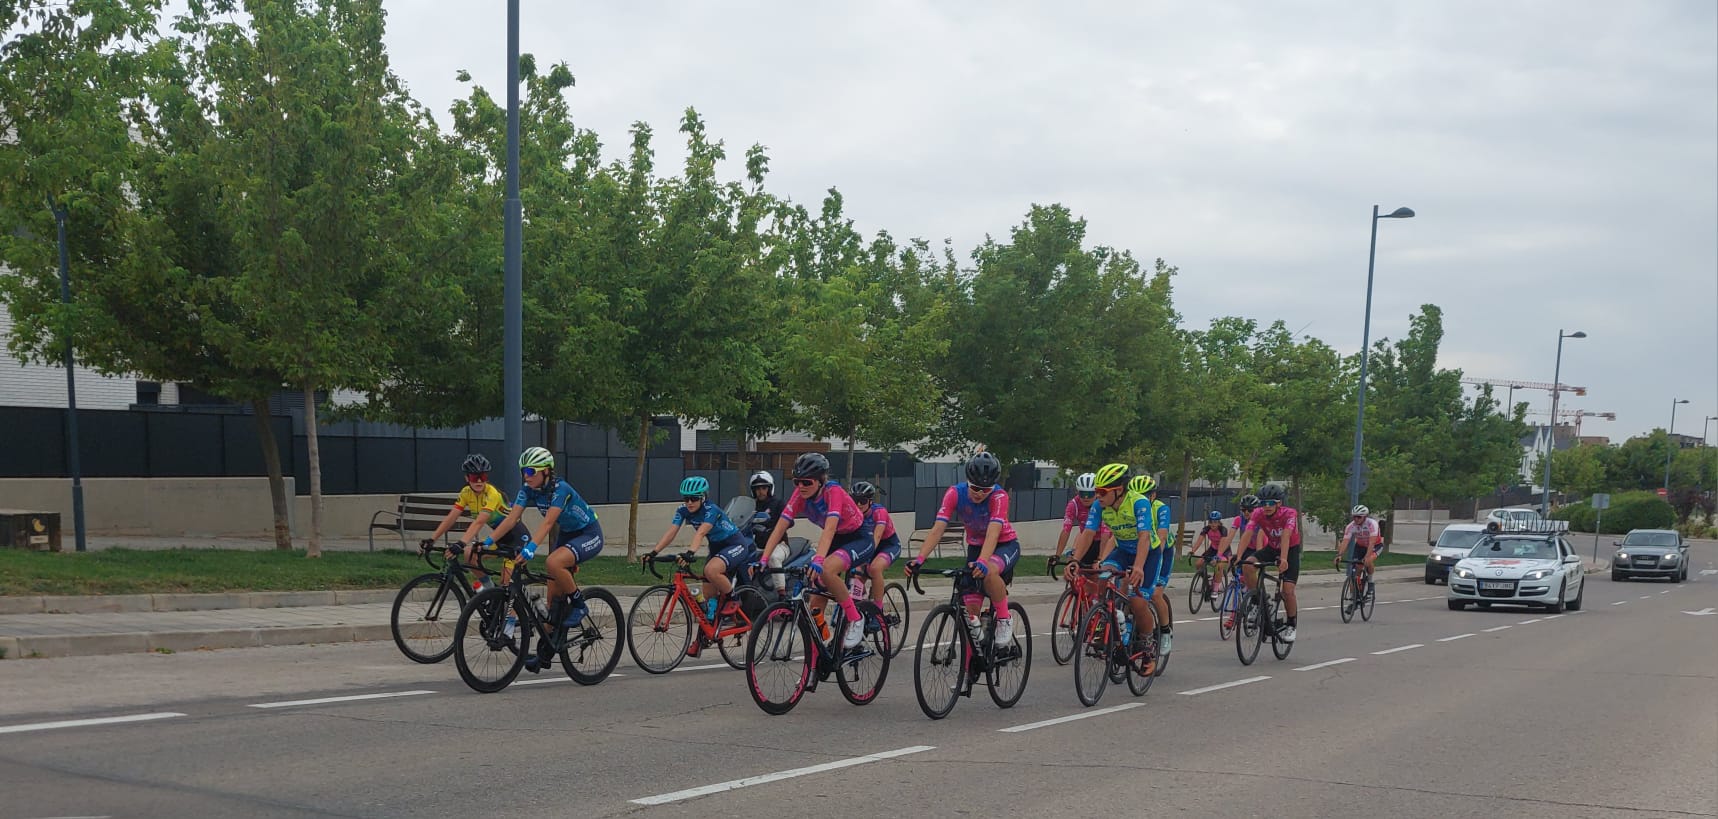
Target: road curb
(98, 603)
(84, 645)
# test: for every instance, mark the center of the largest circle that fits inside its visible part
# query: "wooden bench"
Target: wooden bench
(414, 513)
(952, 536)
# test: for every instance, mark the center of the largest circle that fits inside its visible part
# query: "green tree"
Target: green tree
(1578, 470)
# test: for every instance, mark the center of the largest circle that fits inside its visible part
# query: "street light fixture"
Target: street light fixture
(1551, 431)
(1354, 473)
(1670, 451)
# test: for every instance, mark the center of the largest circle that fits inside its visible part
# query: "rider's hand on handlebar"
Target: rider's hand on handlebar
(1135, 577)
(913, 566)
(426, 544)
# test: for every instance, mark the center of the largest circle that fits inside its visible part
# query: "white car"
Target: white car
(1520, 568)
(1452, 545)
(1513, 516)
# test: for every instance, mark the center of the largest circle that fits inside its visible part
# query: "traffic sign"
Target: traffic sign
(1662, 492)
(1356, 485)
(1601, 500)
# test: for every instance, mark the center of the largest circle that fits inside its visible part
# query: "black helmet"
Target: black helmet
(1271, 492)
(863, 493)
(983, 470)
(1249, 502)
(475, 463)
(811, 465)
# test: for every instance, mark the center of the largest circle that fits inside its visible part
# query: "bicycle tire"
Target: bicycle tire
(1347, 602)
(480, 626)
(1007, 679)
(1138, 681)
(599, 638)
(427, 630)
(773, 635)
(941, 649)
(1229, 608)
(1279, 647)
(897, 613)
(1095, 654)
(1065, 620)
(1250, 629)
(657, 605)
(1196, 591)
(1369, 601)
(1162, 656)
(733, 646)
(868, 662)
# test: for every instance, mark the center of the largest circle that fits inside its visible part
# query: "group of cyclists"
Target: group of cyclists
(1115, 522)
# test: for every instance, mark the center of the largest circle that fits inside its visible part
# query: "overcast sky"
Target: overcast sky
(1562, 157)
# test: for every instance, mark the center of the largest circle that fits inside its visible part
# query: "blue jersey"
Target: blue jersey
(575, 513)
(1130, 518)
(720, 527)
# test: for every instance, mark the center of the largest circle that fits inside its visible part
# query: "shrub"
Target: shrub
(1629, 510)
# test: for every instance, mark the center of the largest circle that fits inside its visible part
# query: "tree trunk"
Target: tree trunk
(1186, 496)
(315, 454)
(276, 480)
(551, 435)
(852, 442)
(637, 480)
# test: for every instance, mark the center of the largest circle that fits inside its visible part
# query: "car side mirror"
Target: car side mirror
(1571, 558)
(1617, 543)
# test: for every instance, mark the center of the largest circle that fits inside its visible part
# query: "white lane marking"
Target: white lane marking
(1619, 602)
(1554, 616)
(1496, 628)
(1209, 688)
(1205, 619)
(547, 680)
(764, 779)
(1317, 608)
(352, 698)
(1645, 596)
(1070, 718)
(1399, 648)
(1529, 622)
(79, 723)
(702, 667)
(1455, 638)
(1666, 591)
(1317, 666)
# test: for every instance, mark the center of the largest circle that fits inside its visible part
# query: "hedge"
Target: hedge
(1628, 510)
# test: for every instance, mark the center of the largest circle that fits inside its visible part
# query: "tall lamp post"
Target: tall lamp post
(71, 387)
(1354, 474)
(1551, 436)
(513, 322)
(1671, 441)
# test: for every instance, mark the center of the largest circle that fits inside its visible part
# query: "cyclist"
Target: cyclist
(1161, 539)
(846, 539)
(487, 507)
(1362, 539)
(569, 528)
(1274, 535)
(1128, 515)
(1074, 517)
(1211, 549)
(888, 544)
(992, 547)
(730, 549)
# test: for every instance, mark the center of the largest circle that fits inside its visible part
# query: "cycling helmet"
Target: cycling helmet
(474, 464)
(763, 479)
(1249, 502)
(1110, 475)
(811, 465)
(536, 458)
(983, 470)
(694, 485)
(863, 493)
(1214, 516)
(1142, 484)
(1086, 483)
(1359, 511)
(1271, 492)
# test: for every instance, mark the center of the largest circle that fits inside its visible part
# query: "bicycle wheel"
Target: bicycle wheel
(939, 666)
(1368, 601)
(1197, 588)
(1144, 650)
(1012, 663)
(898, 615)
(1347, 607)
(590, 651)
(488, 658)
(733, 646)
(426, 635)
(1250, 622)
(660, 627)
(1226, 612)
(780, 655)
(862, 669)
(1065, 618)
(1095, 657)
(1279, 647)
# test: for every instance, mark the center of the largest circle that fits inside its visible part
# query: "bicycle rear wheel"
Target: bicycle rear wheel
(422, 620)
(1196, 591)
(1227, 611)
(1011, 664)
(1144, 650)
(1369, 600)
(488, 658)
(862, 669)
(939, 665)
(1279, 647)
(780, 655)
(1347, 607)
(661, 629)
(898, 615)
(591, 650)
(733, 646)
(1250, 623)
(1065, 619)
(1094, 658)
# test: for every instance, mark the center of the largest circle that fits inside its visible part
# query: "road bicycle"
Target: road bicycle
(897, 615)
(1070, 609)
(496, 628)
(956, 650)
(667, 625)
(1229, 606)
(426, 611)
(1261, 618)
(1113, 646)
(1359, 593)
(786, 657)
(1199, 587)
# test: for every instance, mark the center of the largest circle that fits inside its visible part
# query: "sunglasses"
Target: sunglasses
(980, 490)
(804, 482)
(1271, 504)
(476, 477)
(1088, 495)
(528, 471)
(691, 498)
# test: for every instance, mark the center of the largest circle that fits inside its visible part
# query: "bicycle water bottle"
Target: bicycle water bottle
(975, 627)
(512, 625)
(1123, 627)
(710, 609)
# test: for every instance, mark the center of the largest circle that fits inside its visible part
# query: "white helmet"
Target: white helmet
(1086, 483)
(764, 478)
(1359, 511)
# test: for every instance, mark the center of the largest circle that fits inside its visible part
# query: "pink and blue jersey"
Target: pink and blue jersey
(1273, 526)
(832, 502)
(977, 517)
(880, 517)
(1074, 517)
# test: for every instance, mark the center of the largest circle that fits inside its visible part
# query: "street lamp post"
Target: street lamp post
(1670, 452)
(71, 387)
(1551, 436)
(513, 322)
(1354, 473)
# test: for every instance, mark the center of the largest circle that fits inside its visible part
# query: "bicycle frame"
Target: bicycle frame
(1085, 592)
(828, 654)
(707, 631)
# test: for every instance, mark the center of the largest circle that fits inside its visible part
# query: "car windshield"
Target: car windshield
(1650, 539)
(1515, 548)
(1456, 539)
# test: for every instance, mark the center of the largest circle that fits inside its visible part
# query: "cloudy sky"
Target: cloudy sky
(1562, 157)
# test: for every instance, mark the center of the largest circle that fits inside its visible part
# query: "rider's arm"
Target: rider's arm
(776, 535)
(701, 535)
(506, 525)
(944, 513)
(673, 530)
(547, 527)
(447, 522)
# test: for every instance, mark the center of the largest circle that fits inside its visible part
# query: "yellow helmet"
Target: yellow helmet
(1141, 484)
(1111, 475)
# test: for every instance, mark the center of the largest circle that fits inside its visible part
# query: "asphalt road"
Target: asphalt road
(1422, 712)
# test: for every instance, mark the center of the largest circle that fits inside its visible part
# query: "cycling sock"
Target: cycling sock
(1291, 621)
(850, 610)
(1002, 608)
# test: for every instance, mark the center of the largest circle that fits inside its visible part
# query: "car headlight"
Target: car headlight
(1466, 574)
(1669, 558)
(1622, 555)
(1539, 574)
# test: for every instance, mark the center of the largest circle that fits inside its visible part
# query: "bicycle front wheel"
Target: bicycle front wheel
(1347, 607)
(780, 656)
(862, 669)
(1064, 621)
(1145, 654)
(1011, 664)
(1251, 634)
(1196, 591)
(939, 666)
(591, 650)
(1094, 658)
(425, 615)
(1279, 647)
(898, 615)
(1226, 612)
(1368, 600)
(732, 643)
(661, 629)
(487, 655)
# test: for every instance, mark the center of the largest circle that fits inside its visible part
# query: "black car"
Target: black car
(1650, 553)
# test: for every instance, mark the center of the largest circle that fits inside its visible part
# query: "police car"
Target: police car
(1529, 563)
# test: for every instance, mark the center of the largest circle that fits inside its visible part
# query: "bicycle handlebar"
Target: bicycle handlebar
(681, 561)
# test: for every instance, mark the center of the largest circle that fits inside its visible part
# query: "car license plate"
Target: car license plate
(1496, 584)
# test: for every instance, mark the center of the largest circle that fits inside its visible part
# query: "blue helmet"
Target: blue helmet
(1215, 515)
(694, 487)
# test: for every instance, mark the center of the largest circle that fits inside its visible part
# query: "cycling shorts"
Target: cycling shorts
(1355, 552)
(586, 543)
(736, 552)
(889, 548)
(1121, 562)
(1269, 555)
(1002, 559)
(858, 546)
(1165, 564)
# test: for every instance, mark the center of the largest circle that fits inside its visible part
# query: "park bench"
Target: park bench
(413, 513)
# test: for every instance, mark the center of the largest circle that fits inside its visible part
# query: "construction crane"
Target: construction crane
(1513, 385)
(1576, 414)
